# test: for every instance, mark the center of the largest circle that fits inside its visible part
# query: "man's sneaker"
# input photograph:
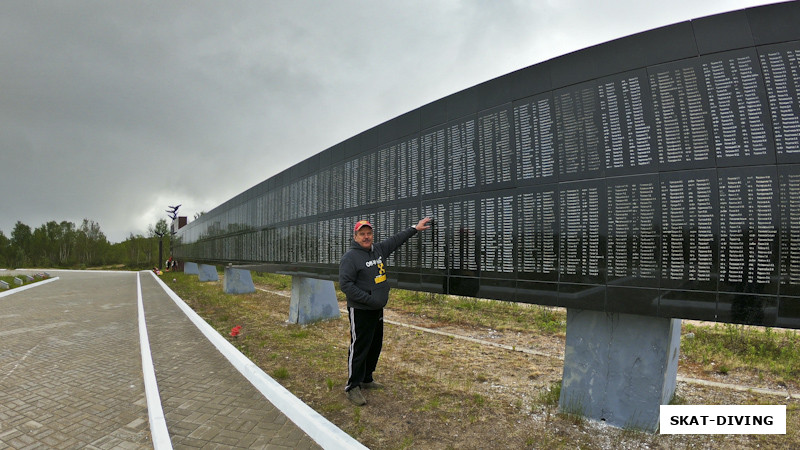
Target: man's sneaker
(355, 396)
(372, 385)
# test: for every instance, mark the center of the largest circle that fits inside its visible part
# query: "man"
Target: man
(362, 278)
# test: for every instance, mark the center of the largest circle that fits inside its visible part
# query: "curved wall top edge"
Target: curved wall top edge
(751, 27)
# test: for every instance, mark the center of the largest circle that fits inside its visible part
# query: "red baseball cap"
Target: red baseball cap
(362, 223)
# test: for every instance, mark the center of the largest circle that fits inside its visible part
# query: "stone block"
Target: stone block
(312, 300)
(619, 368)
(207, 272)
(191, 268)
(238, 281)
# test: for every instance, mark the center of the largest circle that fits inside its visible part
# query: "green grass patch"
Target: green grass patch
(13, 284)
(723, 348)
(550, 396)
(273, 280)
(495, 314)
(299, 334)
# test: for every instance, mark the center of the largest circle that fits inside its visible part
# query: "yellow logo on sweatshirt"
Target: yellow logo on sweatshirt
(381, 274)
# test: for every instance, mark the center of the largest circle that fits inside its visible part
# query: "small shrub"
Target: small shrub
(550, 396)
(677, 400)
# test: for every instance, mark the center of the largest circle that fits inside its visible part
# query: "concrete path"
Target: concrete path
(71, 375)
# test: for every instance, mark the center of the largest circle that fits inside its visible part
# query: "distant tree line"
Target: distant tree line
(65, 245)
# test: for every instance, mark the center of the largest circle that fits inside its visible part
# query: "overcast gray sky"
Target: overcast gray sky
(112, 110)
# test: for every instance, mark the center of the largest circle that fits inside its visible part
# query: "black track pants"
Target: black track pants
(366, 341)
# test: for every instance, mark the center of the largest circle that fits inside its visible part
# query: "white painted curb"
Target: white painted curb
(27, 286)
(155, 413)
(320, 429)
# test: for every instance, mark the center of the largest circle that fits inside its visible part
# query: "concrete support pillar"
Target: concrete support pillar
(207, 273)
(312, 300)
(190, 268)
(619, 368)
(238, 281)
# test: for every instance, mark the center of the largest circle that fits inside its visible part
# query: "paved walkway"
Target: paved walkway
(71, 373)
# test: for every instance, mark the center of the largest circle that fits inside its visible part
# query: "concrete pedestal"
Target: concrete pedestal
(619, 368)
(207, 273)
(190, 268)
(312, 300)
(238, 281)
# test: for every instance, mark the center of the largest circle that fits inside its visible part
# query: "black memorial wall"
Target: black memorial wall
(658, 174)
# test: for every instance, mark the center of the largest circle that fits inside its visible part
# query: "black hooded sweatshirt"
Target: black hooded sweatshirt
(362, 273)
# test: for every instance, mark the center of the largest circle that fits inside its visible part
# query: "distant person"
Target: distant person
(362, 278)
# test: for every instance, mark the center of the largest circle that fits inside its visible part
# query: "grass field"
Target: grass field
(444, 392)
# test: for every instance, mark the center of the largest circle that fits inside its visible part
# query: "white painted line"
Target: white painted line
(738, 387)
(320, 429)
(76, 270)
(27, 286)
(158, 423)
